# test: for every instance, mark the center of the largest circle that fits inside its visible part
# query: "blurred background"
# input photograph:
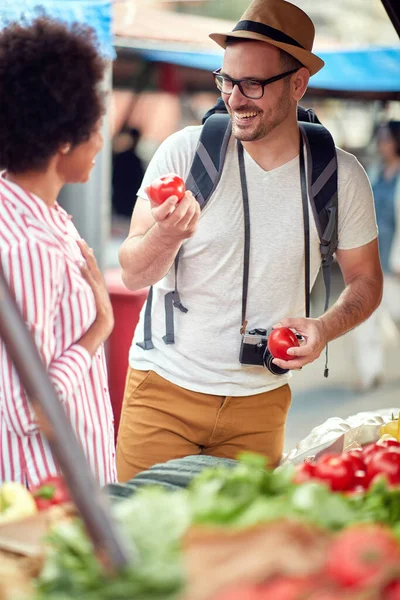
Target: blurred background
(159, 80)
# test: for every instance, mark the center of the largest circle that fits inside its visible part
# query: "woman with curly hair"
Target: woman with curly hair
(51, 108)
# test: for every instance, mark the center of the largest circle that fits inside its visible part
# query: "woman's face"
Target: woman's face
(386, 144)
(75, 166)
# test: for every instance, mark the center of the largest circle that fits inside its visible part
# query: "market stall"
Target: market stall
(325, 524)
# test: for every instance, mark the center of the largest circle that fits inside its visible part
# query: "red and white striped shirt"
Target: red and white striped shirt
(39, 256)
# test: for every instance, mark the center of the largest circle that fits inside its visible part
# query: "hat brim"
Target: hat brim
(311, 61)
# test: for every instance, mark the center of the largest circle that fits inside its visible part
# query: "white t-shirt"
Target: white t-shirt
(205, 356)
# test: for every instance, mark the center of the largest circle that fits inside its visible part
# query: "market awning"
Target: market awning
(359, 70)
(97, 13)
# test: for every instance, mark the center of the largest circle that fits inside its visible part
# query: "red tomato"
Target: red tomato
(386, 462)
(304, 472)
(50, 492)
(336, 470)
(361, 555)
(368, 451)
(392, 591)
(280, 340)
(166, 186)
(388, 444)
(360, 484)
(361, 479)
(355, 457)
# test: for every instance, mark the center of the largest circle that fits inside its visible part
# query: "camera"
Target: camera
(254, 351)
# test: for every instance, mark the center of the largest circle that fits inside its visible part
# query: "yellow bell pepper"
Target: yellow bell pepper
(392, 428)
(16, 502)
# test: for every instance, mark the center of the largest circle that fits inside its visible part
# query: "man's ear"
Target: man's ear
(299, 83)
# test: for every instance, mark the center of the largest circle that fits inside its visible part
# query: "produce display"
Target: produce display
(354, 471)
(325, 529)
(166, 186)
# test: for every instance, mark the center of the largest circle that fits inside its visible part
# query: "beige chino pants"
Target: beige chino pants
(161, 421)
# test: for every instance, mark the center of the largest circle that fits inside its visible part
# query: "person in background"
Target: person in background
(371, 336)
(127, 171)
(51, 110)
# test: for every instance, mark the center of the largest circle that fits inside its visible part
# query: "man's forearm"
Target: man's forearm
(355, 304)
(146, 259)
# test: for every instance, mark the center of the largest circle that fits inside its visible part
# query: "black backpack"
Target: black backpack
(322, 190)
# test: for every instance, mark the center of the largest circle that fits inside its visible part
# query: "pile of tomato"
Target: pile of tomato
(362, 562)
(355, 470)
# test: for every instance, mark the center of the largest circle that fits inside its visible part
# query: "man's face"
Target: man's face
(255, 119)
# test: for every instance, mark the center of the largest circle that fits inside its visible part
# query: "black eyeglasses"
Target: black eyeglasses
(251, 88)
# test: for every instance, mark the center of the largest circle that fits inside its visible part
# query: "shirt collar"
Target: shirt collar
(31, 205)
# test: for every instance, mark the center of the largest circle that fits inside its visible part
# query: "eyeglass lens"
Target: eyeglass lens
(248, 87)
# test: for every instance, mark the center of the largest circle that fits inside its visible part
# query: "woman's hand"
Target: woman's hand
(104, 322)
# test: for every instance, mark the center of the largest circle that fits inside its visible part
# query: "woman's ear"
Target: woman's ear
(65, 148)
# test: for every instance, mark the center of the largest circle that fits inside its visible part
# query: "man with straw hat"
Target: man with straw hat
(194, 396)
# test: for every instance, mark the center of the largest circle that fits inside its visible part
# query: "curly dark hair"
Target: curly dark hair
(49, 90)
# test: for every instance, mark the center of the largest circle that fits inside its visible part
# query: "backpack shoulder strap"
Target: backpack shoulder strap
(208, 161)
(322, 172)
(322, 182)
(204, 175)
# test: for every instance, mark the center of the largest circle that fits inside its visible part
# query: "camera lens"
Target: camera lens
(267, 360)
(260, 331)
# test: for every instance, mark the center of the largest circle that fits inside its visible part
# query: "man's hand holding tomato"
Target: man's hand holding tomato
(315, 340)
(176, 217)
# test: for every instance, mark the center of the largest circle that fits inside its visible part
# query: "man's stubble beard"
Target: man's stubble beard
(270, 120)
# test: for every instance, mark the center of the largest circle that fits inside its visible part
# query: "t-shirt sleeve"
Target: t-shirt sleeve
(174, 155)
(356, 218)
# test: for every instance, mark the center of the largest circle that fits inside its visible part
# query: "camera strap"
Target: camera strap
(246, 215)
(306, 221)
(246, 219)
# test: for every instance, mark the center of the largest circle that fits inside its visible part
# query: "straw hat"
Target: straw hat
(281, 24)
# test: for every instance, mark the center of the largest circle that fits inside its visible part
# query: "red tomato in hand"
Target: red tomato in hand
(280, 340)
(336, 470)
(166, 186)
(361, 554)
(386, 462)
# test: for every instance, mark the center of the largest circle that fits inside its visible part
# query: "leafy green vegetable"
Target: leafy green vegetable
(154, 520)
(153, 523)
(220, 495)
(379, 504)
(250, 494)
